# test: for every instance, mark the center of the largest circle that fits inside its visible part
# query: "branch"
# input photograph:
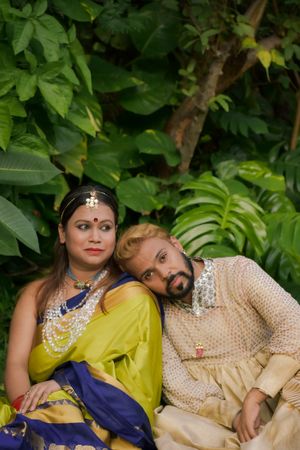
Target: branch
(186, 123)
(255, 12)
(236, 67)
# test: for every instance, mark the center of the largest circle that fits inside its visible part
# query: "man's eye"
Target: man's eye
(147, 276)
(163, 257)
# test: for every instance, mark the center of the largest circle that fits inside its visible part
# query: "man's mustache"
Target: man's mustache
(172, 276)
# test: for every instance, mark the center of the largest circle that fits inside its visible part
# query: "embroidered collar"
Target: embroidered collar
(204, 292)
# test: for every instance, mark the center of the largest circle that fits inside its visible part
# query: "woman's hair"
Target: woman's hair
(75, 198)
(131, 240)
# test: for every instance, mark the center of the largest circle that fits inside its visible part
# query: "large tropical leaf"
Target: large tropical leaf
(110, 78)
(155, 91)
(25, 169)
(80, 10)
(284, 232)
(139, 194)
(289, 165)
(17, 225)
(156, 142)
(102, 167)
(8, 243)
(158, 33)
(258, 173)
(213, 216)
(6, 125)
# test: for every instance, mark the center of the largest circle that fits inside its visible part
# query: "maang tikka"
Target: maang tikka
(92, 201)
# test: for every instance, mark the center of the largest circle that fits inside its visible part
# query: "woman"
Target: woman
(84, 359)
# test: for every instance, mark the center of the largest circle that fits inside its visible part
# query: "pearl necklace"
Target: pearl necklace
(60, 331)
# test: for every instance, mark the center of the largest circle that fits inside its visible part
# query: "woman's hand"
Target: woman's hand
(248, 421)
(38, 393)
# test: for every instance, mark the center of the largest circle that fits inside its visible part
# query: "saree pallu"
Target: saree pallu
(110, 381)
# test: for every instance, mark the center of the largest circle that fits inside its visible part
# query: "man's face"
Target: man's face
(161, 266)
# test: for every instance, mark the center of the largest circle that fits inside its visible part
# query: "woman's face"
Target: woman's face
(89, 237)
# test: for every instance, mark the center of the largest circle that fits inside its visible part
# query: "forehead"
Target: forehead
(101, 213)
(147, 254)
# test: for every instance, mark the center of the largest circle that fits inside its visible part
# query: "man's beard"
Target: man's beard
(181, 290)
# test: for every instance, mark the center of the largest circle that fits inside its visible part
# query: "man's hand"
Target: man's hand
(247, 421)
(38, 393)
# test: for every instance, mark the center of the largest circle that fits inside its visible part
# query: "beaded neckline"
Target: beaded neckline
(204, 292)
(61, 330)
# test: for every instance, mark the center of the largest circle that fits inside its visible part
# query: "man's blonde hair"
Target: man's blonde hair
(131, 240)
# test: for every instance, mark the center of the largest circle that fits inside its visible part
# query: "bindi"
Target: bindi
(95, 219)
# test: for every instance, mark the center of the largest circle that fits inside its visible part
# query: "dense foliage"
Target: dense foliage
(189, 110)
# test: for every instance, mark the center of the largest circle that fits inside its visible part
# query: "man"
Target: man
(231, 347)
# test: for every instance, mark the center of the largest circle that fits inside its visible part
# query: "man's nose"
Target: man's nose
(164, 273)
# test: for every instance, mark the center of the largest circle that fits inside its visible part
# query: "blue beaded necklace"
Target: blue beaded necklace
(82, 285)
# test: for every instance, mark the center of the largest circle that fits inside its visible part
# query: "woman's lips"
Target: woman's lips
(94, 251)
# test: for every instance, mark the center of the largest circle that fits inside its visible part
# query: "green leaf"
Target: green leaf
(80, 10)
(47, 39)
(7, 58)
(26, 85)
(284, 232)
(39, 7)
(7, 80)
(102, 167)
(30, 144)
(156, 142)
(277, 58)
(215, 216)
(31, 211)
(80, 60)
(15, 107)
(23, 32)
(139, 194)
(54, 28)
(153, 94)
(159, 32)
(66, 138)
(85, 112)
(249, 42)
(8, 243)
(17, 224)
(72, 160)
(56, 186)
(265, 58)
(58, 95)
(25, 169)
(258, 173)
(6, 125)
(110, 78)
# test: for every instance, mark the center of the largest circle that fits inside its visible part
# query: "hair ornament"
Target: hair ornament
(92, 201)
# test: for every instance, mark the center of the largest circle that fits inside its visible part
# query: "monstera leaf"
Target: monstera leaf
(215, 221)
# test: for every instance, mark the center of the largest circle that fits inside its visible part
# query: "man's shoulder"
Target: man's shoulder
(232, 261)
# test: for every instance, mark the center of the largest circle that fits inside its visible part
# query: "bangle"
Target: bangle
(17, 402)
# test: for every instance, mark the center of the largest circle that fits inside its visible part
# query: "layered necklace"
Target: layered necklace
(60, 330)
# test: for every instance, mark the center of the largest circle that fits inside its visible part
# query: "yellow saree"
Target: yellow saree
(110, 379)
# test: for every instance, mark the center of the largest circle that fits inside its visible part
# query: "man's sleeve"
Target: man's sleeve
(282, 314)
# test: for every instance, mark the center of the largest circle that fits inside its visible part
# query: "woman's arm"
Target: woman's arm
(22, 330)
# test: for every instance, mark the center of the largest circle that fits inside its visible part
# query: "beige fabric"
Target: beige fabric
(250, 338)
